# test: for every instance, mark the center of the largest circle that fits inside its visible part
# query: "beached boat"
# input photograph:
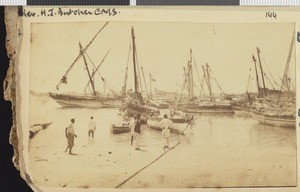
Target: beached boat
(276, 108)
(34, 129)
(134, 103)
(178, 127)
(92, 99)
(207, 108)
(288, 121)
(86, 101)
(120, 128)
(206, 105)
(180, 120)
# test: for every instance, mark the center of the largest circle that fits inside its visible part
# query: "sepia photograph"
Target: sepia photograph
(149, 104)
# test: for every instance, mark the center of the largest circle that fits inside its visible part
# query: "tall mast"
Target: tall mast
(285, 79)
(262, 72)
(126, 73)
(87, 69)
(186, 76)
(208, 82)
(150, 77)
(64, 78)
(180, 94)
(257, 79)
(201, 84)
(96, 70)
(125, 81)
(136, 83)
(145, 82)
(191, 74)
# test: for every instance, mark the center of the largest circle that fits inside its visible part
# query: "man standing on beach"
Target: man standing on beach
(131, 125)
(165, 124)
(91, 127)
(137, 131)
(70, 134)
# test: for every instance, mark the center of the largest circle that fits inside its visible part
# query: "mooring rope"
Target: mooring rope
(125, 181)
(190, 120)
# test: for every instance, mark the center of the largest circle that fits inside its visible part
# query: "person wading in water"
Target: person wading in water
(91, 129)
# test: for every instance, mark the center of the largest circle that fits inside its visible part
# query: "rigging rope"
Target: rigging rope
(268, 68)
(104, 81)
(216, 81)
(64, 78)
(269, 80)
(249, 79)
(138, 66)
(201, 83)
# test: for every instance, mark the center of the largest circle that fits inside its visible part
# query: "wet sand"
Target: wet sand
(202, 165)
(216, 152)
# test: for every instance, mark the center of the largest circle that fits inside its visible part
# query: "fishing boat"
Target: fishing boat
(86, 101)
(279, 114)
(134, 103)
(92, 99)
(180, 123)
(203, 104)
(34, 129)
(275, 119)
(276, 108)
(120, 128)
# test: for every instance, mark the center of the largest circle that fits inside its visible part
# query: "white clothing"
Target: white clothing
(71, 128)
(131, 125)
(92, 125)
(166, 141)
(165, 124)
(137, 140)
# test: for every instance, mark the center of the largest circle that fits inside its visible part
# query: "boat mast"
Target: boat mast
(190, 75)
(64, 78)
(150, 77)
(126, 73)
(87, 69)
(136, 83)
(262, 72)
(201, 84)
(96, 70)
(135, 64)
(257, 79)
(285, 78)
(180, 94)
(145, 82)
(208, 83)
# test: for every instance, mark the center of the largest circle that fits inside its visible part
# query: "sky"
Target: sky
(162, 49)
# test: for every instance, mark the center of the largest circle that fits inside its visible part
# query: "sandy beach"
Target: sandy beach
(242, 153)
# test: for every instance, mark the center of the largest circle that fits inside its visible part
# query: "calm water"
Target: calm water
(239, 129)
(223, 151)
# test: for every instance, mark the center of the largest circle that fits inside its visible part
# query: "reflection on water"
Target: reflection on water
(224, 131)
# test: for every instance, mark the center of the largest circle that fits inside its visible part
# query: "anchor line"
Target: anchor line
(125, 181)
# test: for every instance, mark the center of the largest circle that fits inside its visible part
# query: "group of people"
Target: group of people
(135, 125)
(70, 133)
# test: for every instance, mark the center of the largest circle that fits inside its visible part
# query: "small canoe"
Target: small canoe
(120, 128)
(34, 129)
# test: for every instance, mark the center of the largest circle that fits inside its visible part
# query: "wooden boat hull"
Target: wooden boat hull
(207, 108)
(86, 101)
(33, 130)
(177, 129)
(288, 122)
(118, 129)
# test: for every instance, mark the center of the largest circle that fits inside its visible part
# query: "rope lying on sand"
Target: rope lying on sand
(146, 166)
(189, 122)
